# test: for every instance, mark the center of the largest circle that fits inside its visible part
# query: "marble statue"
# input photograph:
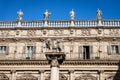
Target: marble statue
(53, 45)
(98, 14)
(72, 14)
(20, 14)
(46, 15)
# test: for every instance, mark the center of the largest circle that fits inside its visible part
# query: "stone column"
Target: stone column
(71, 73)
(41, 75)
(54, 69)
(13, 72)
(101, 74)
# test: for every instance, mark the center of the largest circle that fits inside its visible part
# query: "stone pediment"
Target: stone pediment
(27, 77)
(86, 77)
(3, 76)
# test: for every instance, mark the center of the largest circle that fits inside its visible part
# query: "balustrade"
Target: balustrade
(59, 23)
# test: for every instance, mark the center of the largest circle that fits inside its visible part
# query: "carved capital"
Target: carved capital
(41, 71)
(100, 71)
(13, 71)
(71, 71)
(54, 62)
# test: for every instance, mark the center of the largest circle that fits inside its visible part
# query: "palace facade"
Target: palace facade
(91, 48)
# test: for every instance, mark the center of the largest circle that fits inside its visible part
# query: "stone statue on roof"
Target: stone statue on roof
(46, 15)
(20, 14)
(72, 14)
(98, 14)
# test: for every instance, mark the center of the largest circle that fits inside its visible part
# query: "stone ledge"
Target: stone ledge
(67, 62)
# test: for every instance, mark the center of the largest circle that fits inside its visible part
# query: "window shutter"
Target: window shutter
(109, 50)
(118, 49)
(34, 49)
(80, 52)
(24, 50)
(91, 51)
(7, 50)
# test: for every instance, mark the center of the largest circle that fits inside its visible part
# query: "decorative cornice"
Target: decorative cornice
(66, 62)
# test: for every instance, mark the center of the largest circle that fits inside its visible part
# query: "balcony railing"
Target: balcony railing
(58, 23)
(69, 56)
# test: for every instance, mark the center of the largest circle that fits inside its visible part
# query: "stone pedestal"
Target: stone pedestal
(72, 23)
(45, 23)
(55, 59)
(100, 23)
(19, 24)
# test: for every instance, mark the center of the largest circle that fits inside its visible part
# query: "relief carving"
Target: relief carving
(4, 33)
(85, 32)
(27, 77)
(86, 77)
(114, 32)
(61, 77)
(31, 32)
(3, 76)
(58, 32)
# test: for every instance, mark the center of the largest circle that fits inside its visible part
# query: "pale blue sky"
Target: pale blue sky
(34, 9)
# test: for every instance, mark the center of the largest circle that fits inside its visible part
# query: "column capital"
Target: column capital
(13, 71)
(54, 62)
(71, 71)
(100, 71)
(41, 71)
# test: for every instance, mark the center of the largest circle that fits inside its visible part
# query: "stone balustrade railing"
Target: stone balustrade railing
(58, 23)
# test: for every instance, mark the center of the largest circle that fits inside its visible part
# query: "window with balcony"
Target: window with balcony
(3, 49)
(30, 52)
(114, 49)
